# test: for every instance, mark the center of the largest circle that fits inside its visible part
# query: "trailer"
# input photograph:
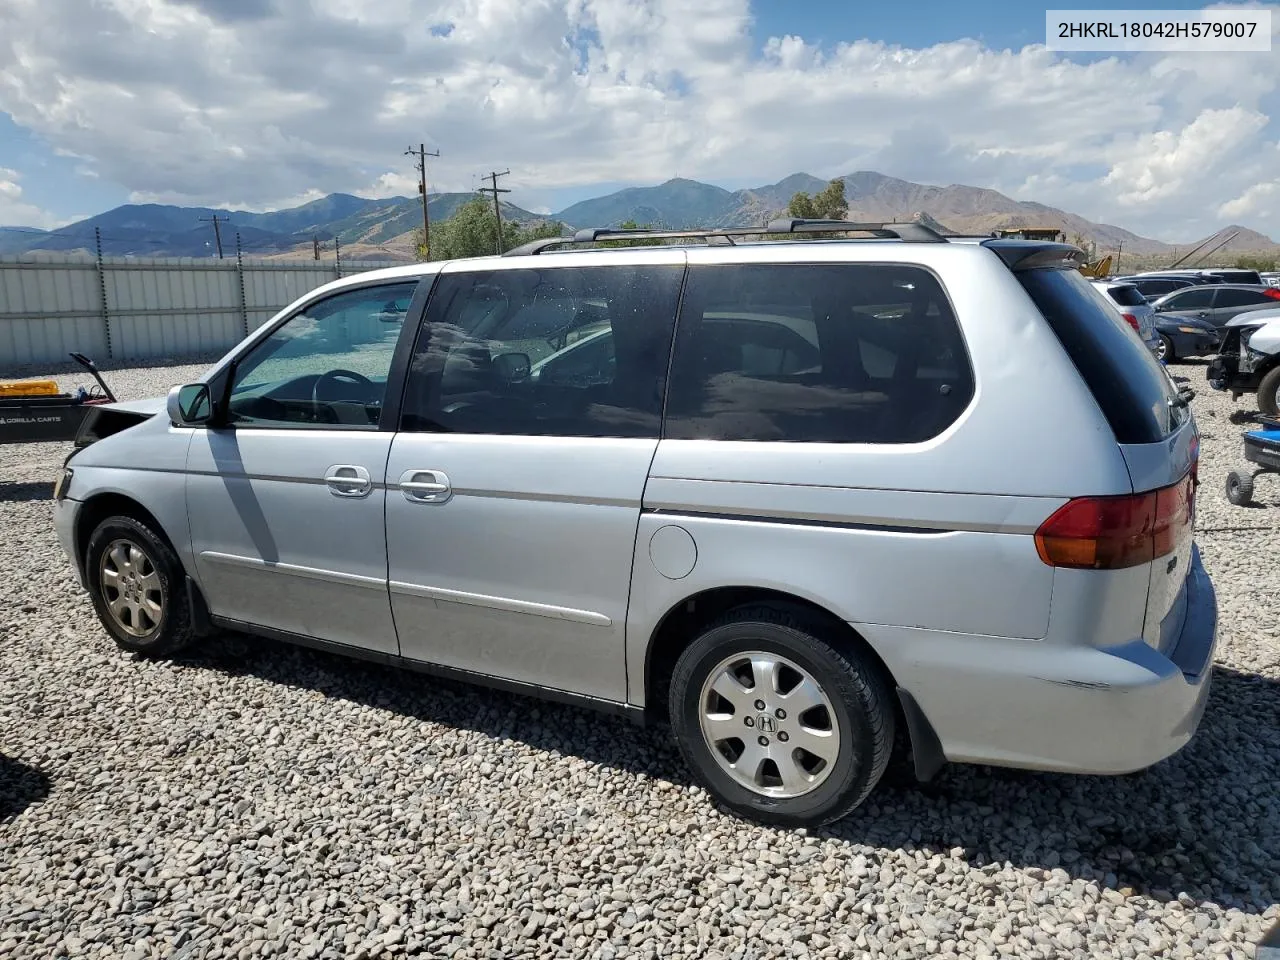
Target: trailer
(1262, 449)
(34, 412)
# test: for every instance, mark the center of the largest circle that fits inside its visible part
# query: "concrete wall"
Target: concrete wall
(137, 308)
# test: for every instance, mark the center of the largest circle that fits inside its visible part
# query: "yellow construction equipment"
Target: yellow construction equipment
(1097, 269)
(1033, 233)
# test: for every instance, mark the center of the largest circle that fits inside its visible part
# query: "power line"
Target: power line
(495, 190)
(422, 153)
(217, 234)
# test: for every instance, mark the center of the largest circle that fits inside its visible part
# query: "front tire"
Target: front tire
(1269, 393)
(1165, 350)
(779, 721)
(137, 584)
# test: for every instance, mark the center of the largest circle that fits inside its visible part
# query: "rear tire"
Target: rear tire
(1269, 393)
(137, 585)
(1240, 488)
(761, 768)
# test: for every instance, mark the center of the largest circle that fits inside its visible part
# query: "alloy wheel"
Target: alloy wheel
(131, 588)
(769, 724)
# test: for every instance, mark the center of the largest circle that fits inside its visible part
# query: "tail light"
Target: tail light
(1131, 320)
(1110, 533)
(1272, 293)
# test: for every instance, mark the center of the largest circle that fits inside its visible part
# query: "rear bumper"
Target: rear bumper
(1069, 708)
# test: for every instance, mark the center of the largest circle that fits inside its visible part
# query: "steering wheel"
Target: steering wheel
(336, 375)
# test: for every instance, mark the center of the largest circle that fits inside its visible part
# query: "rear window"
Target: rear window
(819, 353)
(1239, 276)
(1126, 294)
(1132, 389)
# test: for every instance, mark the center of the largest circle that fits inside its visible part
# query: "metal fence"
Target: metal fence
(136, 308)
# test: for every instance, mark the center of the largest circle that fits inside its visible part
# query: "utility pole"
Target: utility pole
(315, 247)
(495, 190)
(1119, 250)
(421, 163)
(217, 234)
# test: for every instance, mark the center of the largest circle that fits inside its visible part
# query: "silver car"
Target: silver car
(1133, 309)
(799, 499)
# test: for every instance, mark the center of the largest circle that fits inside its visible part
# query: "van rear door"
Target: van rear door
(1153, 426)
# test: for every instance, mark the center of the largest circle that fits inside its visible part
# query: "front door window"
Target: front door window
(325, 366)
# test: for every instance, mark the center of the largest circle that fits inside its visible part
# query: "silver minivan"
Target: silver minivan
(802, 499)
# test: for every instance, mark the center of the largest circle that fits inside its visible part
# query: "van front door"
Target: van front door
(286, 498)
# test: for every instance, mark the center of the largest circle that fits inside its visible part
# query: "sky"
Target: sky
(263, 104)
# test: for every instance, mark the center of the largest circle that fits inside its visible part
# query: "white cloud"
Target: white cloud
(255, 102)
(17, 212)
(1262, 200)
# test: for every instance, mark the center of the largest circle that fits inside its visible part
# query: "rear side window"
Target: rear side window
(1131, 387)
(549, 351)
(1126, 295)
(1240, 298)
(819, 353)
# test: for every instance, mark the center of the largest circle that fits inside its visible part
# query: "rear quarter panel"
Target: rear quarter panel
(935, 535)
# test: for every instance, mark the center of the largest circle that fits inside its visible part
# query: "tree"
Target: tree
(632, 225)
(420, 248)
(472, 231)
(1260, 263)
(830, 204)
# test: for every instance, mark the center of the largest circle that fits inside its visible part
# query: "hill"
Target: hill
(162, 230)
(386, 227)
(872, 197)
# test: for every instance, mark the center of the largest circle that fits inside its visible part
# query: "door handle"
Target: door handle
(348, 480)
(425, 486)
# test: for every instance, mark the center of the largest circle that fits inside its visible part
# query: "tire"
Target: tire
(1165, 350)
(155, 618)
(1240, 488)
(855, 705)
(1269, 393)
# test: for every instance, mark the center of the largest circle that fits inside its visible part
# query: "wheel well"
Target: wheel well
(98, 508)
(685, 621)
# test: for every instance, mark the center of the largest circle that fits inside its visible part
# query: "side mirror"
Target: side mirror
(189, 405)
(511, 367)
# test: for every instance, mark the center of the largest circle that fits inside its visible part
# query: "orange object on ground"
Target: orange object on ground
(29, 388)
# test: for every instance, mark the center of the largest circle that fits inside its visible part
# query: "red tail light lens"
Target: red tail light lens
(1131, 320)
(1111, 533)
(1272, 292)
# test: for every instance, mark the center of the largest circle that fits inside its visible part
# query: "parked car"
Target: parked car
(1217, 303)
(1194, 276)
(1249, 359)
(1181, 337)
(803, 496)
(1234, 275)
(1133, 309)
(1271, 279)
(1154, 287)
(1219, 274)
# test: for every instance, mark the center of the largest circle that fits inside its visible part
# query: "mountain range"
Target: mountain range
(384, 228)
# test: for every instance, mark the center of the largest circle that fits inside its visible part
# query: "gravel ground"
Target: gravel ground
(261, 800)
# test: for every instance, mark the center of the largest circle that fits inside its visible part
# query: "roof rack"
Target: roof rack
(910, 232)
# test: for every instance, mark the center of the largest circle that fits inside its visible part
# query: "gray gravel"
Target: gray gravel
(260, 800)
